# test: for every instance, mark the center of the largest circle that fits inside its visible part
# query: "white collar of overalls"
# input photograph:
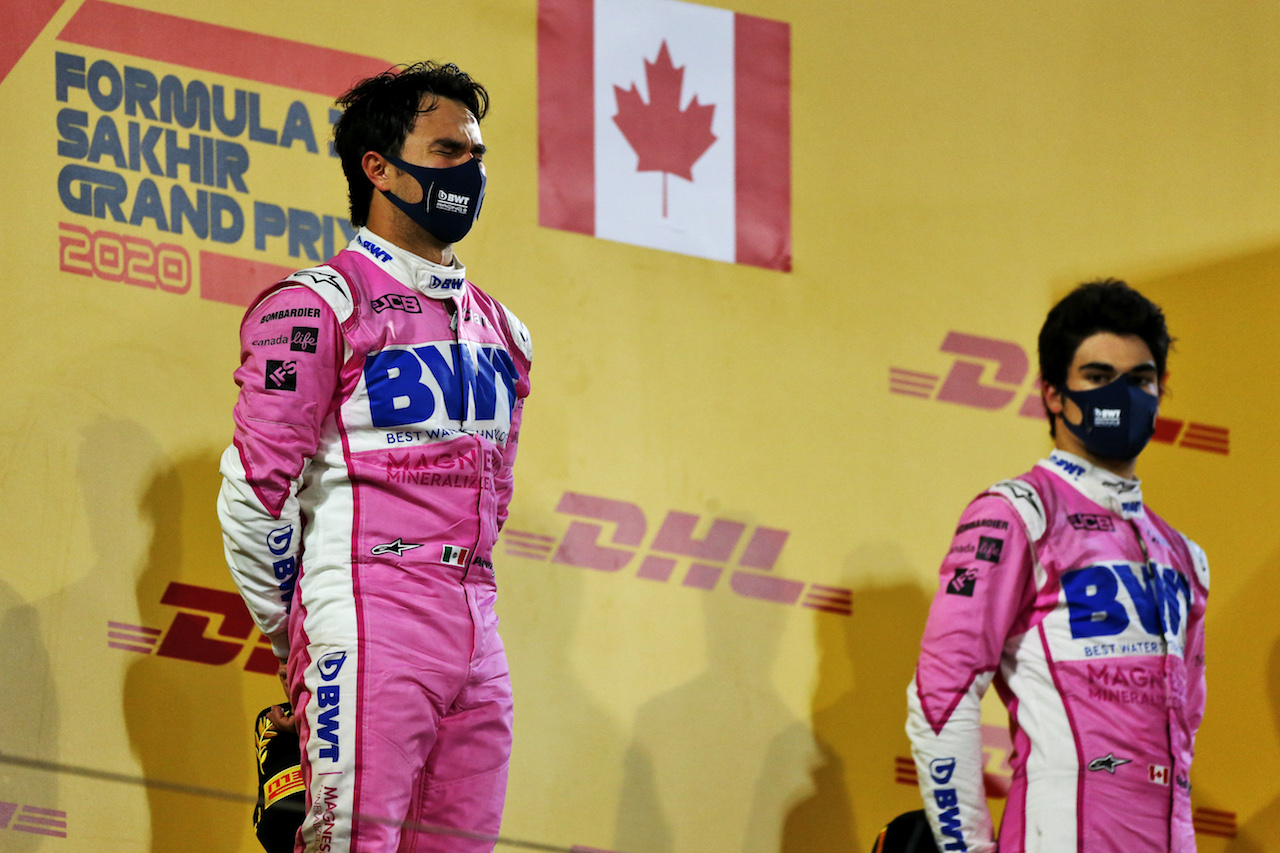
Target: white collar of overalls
(416, 273)
(1121, 496)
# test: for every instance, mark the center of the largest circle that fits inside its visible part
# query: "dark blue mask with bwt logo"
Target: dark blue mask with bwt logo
(1119, 418)
(451, 198)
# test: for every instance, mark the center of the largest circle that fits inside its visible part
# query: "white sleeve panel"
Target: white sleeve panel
(261, 549)
(949, 768)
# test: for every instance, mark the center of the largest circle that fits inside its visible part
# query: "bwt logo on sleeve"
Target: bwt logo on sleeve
(442, 381)
(940, 771)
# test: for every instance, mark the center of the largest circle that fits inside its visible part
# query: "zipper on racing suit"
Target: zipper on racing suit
(1157, 586)
(466, 371)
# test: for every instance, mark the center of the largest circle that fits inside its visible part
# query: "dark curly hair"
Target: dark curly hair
(1107, 305)
(378, 114)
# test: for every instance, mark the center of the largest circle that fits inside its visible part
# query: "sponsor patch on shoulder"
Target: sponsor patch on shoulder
(963, 582)
(989, 549)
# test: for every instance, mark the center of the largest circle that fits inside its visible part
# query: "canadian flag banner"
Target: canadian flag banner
(666, 124)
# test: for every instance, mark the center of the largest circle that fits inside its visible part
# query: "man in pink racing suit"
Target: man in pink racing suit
(1085, 609)
(375, 434)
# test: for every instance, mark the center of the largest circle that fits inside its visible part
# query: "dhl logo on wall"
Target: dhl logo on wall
(603, 534)
(610, 535)
(34, 820)
(967, 384)
(151, 162)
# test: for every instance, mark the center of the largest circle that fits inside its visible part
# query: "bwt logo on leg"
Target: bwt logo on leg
(675, 550)
(992, 374)
(328, 695)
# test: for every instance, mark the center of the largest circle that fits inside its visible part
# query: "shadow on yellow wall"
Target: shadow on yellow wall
(185, 720)
(859, 728)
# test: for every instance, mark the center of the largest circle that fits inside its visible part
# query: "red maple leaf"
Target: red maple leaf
(666, 138)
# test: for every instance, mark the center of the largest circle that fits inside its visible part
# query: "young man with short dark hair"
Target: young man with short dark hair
(1083, 606)
(376, 429)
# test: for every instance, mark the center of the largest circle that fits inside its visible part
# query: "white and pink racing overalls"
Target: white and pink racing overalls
(1087, 610)
(375, 433)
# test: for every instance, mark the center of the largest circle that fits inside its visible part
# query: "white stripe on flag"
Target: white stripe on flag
(700, 216)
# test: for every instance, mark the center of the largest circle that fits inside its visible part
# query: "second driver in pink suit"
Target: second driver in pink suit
(370, 474)
(1083, 607)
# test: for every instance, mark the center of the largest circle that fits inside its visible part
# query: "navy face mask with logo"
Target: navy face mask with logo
(451, 198)
(1119, 418)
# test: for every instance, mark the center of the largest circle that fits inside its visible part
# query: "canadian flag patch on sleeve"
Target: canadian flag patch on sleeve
(452, 555)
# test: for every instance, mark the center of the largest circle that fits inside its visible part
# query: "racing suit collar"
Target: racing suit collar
(1123, 497)
(416, 273)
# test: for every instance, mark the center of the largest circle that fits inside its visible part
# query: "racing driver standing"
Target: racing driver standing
(1085, 609)
(375, 433)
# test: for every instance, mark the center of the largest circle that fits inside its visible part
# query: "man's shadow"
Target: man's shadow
(859, 710)
(29, 716)
(714, 763)
(185, 721)
(564, 739)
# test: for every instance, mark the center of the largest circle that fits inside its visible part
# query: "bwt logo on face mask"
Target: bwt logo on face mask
(1106, 417)
(992, 374)
(409, 386)
(1103, 600)
(452, 202)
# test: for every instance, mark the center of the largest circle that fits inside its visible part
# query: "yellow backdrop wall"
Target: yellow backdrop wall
(735, 483)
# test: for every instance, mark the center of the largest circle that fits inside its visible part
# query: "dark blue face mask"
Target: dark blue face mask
(1119, 418)
(451, 198)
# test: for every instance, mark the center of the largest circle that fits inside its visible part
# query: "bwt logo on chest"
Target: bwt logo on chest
(1105, 600)
(408, 386)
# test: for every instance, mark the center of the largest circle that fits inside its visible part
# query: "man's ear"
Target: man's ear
(376, 169)
(1052, 398)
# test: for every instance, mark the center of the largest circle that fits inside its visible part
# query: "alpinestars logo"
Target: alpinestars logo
(1109, 763)
(397, 547)
(317, 277)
